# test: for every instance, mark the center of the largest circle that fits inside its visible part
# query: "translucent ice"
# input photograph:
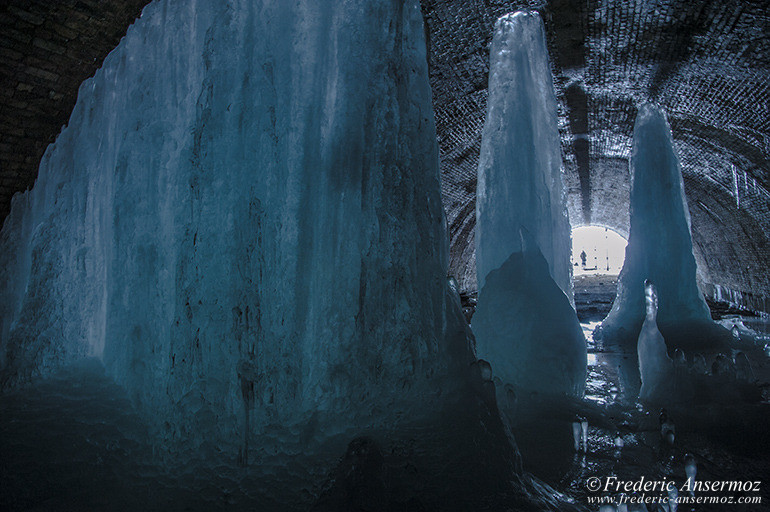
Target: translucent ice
(655, 367)
(243, 217)
(577, 430)
(743, 369)
(524, 323)
(723, 367)
(673, 495)
(527, 329)
(691, 470)
(699, 365)
(667, 427)
(680, 360)
(520, 167)
(659, 245)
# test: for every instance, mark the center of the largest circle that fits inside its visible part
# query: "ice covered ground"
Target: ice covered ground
(727, 437)
(74, 441)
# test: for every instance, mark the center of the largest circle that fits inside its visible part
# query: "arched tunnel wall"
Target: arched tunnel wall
(706, 63)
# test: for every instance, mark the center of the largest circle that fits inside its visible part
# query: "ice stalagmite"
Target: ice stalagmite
(520, 167)
(659, 246)
(655, 367)
(243, 219)
(524, 324)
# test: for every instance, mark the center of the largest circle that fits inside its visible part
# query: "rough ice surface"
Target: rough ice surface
(243, 220)
(526, 328)
(655, 367)
(520, 166)
(524, 323)
(659, 246)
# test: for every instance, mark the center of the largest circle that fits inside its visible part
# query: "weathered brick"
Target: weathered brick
(25, 15)
(62, 30)
(9, 54)
(48, 45)
(18, 36)
(41, 73)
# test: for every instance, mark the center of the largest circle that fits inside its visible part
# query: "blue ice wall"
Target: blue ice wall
(243, 216)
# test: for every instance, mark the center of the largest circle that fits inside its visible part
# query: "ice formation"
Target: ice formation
(743, 369)
(659, 246)
(526, 328)
(524, 324)
(520, 166)
(243, 219)
(655, 367)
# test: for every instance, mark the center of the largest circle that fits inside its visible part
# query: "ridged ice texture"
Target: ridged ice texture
(659, 243)
(520, 167)
(244, 214)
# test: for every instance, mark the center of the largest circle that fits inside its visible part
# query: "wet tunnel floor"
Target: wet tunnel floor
(730, 441)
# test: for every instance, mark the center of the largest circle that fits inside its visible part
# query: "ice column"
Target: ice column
(244, 214)
(520, 167)
(659, 246)
(524, 323)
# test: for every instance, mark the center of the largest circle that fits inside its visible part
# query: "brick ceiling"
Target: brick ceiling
(706, 62)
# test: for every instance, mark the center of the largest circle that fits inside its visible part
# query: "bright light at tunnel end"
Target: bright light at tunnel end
(605, 250)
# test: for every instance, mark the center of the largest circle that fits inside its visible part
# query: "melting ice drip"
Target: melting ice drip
(655, 367)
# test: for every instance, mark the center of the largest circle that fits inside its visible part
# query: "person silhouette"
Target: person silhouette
(583, 258)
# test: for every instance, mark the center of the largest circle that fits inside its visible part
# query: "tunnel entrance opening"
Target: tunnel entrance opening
(598, 253)
(597, 250)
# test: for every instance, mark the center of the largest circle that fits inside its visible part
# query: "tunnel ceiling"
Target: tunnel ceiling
(708, 65)
(706, 62)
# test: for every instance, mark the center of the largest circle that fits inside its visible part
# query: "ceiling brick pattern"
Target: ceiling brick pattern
(706, 62)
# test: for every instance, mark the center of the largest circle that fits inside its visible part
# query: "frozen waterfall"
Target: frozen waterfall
(520, 167)
(243, 222)
(243, 219)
